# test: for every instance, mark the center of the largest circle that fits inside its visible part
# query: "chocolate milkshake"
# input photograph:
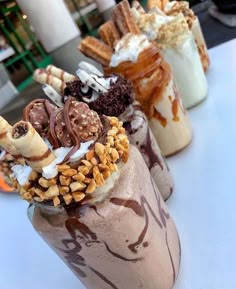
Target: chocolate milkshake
(113, 96)
(94, 202)
(126, 241)
(118, 100)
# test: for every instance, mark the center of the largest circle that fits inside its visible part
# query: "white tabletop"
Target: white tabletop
(203, 204)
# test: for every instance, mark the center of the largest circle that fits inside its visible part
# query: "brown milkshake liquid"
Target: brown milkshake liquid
(141, 136)
(126, 241)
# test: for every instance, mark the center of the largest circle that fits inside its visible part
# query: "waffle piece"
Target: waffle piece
(96, 49)
(123, 18)
(109, 33)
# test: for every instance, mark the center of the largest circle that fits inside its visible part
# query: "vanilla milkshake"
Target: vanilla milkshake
(141, 62)
(176, 7)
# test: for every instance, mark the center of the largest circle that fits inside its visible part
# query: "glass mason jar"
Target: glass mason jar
(156, 91)
(128, 240)
(140, 135)
(201, 43)
(187, 69)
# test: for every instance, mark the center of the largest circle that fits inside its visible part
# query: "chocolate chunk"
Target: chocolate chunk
(116, 100)
(112, 103)
(77, 89)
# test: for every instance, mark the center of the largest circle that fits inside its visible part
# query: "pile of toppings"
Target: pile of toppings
(174, 33)
(167, 29)
(174, 8)
(74, 126)
(114, 99)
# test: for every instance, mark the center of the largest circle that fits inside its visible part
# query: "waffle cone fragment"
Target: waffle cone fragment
(41, 76)
(30, 145)
(96, 50)
(123, 18)
(59, 73)
(109, 33)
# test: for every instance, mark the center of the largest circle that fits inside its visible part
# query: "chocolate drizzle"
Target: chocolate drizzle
(81, 235)
(140, 211)
(164, 216)
(149, 151)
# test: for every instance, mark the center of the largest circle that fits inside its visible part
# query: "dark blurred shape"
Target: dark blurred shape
(226, 6)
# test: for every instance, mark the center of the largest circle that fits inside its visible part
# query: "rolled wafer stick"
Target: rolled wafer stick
(61, 74)
(109, 33)
(96, 49)
(5, 142)
(30, 145)
(123, 18)
(41, 76)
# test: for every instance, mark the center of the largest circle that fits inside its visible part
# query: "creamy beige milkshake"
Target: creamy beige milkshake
(94, 202)
(176, 7)
(155, 90)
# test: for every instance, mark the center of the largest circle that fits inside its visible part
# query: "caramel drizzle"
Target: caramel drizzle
(157, 115)
(175, 108)
(3, 134)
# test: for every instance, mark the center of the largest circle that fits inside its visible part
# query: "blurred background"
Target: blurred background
(36, 33)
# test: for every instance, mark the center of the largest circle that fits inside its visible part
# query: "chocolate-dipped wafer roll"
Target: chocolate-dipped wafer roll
(41, 76)
(59, 73)
(5, 143)
(30, 145)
